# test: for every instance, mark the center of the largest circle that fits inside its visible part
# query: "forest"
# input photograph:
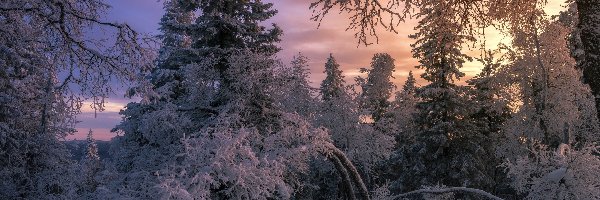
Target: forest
(216, 114)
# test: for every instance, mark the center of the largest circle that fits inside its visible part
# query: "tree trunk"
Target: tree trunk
(589, 25)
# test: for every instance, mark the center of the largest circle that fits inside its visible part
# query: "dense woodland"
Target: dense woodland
(222, 118)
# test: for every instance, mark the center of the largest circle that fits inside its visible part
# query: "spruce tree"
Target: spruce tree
(409, 86)
(91, 163)
(225, 27)
(447, 149)
(153, 128)
(296, 94)
(402, 112)
(225, 136)
(378, 87)
(333, 85)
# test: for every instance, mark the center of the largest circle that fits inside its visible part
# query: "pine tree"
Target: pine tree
(378, 87)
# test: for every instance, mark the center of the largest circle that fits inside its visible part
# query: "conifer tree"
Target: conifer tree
(446, 150)
(378, 87)
(91, 152)
(410, 86)
(588, 28)
(91, 163)
(333, 85)
(228, 137)
(402, 112)
(296, 94)
(153, 128)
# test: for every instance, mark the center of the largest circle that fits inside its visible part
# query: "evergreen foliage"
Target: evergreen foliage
(378, 87)
(333, 85)
(222, 118)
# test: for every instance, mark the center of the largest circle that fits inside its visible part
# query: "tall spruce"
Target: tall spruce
(447, 149)
(218, 133)
(225, 27)
(378, 87)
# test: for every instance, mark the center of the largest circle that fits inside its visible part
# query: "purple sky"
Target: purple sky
(300, 35)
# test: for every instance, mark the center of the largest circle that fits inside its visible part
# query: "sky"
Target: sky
(300, 35)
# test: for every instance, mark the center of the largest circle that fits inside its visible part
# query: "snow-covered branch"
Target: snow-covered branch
(448, 190)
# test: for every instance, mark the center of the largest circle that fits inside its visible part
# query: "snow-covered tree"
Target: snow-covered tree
(563, 173)
(490, 108)
(555, 112)
(249, 150)
(401, 113)
(340, 113)
(296, 94)
(410, 86)
(224, 27)
(91, 164)
(227, 136)
(449, 148)
(378, 87)
(333, 85)
(153, 129)
(588, 29)
(48, 68)
(550, 94)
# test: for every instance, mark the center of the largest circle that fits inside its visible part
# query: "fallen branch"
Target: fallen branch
(447, 190)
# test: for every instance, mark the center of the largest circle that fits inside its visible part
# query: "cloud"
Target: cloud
(109, 107)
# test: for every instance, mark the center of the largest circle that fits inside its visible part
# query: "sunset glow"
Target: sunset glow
(300, 35)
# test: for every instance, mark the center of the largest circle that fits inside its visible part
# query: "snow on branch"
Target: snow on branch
(448, 190)
(344, 174)
(332, 151)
